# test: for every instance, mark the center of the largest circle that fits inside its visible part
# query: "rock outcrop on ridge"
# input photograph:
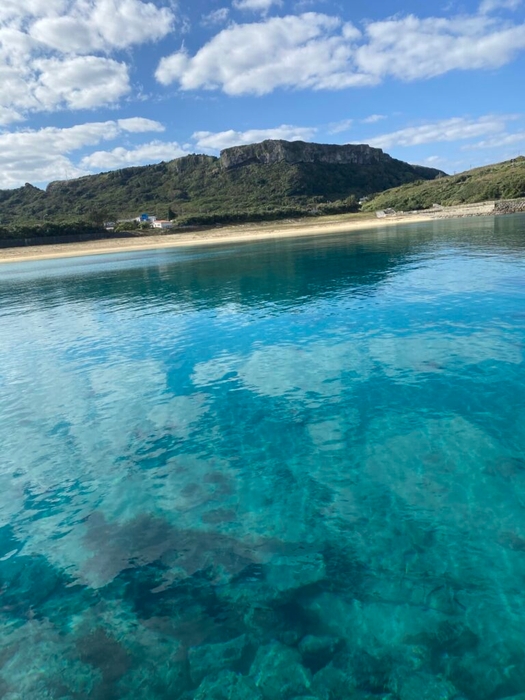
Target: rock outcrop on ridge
(294, 152)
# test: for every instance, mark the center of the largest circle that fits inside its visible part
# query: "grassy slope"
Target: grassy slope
(501, 181)
(198, 185)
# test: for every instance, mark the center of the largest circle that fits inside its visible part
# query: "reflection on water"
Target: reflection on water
(292, 469)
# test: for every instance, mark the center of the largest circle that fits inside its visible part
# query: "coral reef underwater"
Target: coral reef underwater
(281, 471)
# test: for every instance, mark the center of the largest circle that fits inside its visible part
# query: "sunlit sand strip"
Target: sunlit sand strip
(345, 223)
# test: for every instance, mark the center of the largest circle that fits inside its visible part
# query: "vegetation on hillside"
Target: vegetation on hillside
(196, 190)
(501, 181)
(50, 230)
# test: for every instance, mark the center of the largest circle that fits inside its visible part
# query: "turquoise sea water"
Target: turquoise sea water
(292, 469)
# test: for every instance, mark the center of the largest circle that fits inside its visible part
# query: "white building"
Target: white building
(162, 223)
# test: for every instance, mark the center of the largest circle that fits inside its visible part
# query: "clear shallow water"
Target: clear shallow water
(275, 470)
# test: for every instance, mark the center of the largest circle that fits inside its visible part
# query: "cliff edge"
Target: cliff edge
(293, 152)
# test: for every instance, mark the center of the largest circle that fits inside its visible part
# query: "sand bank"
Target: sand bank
(239, 233)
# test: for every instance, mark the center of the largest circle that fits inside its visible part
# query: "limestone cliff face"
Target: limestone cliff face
(186, 163)
(292, 152)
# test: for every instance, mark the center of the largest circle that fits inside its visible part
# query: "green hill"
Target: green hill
(266, 180)
(501, 181)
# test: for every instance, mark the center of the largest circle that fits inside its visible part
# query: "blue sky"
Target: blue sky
(93, 85)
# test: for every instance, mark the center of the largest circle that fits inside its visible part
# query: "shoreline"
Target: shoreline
(343, 223)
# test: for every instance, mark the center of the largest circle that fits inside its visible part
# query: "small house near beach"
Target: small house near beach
(162, 223)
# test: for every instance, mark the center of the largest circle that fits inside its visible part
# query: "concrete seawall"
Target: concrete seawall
(510, 206)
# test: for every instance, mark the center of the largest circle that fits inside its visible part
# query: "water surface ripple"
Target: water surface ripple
(287, 469)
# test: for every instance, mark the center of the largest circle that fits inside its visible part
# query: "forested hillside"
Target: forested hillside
(500, 181)
(261, 181)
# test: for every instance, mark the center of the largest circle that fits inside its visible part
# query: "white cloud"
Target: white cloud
(256, 5)
(126, 22)
(48, 84)
(8, 116)
(226, 139)
(216, 17)
(498, 141)
(82, 82)
(340, 127)
(38, 167)
(321, 52)
(139, 125)
(455, 129)
(413, 48)
(373, 119)
(43, 155)
(153, 152)
(13, 10)
(15, 46)
(309, 51)
(490, 5)
(94, 25)
(65, 34)
(49, 51)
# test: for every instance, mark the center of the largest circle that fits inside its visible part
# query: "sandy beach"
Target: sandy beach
(239, 233)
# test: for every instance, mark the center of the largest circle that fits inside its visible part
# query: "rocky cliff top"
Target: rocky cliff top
(269, 152)
(181, 165)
